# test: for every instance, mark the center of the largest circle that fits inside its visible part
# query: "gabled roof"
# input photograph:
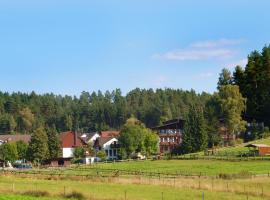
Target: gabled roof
(88, 136)
(257, 145)
(109, 134)
(15, 138)
(70, 140)
(103, 140)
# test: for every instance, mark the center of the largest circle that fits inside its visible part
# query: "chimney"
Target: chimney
(75, 138)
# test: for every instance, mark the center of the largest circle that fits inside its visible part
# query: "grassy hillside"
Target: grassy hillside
(240, 149)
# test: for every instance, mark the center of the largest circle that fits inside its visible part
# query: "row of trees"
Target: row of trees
(23, 113)
(44, 145)
(254, 84)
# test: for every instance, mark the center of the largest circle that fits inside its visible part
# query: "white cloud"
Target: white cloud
(241, 62)
(216, 43)
(211, 49)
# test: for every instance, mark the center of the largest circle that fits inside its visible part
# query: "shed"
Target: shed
(261, 149)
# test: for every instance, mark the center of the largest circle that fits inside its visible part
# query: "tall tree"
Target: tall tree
(22, 149)
(38, 150)
(225, 78)
(195, 135)
(8, 152)
(233, 104)
(26, 120)
(53, 143)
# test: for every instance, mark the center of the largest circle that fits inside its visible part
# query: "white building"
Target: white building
(110, 145)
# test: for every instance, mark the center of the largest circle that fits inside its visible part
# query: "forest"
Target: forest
(25, 112)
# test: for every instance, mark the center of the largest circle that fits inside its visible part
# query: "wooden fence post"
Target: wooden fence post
(64, 191)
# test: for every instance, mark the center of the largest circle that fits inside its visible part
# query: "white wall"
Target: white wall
(107, 147)
(68, 152)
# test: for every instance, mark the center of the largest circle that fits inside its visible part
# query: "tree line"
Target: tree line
(23, 113)
(241, 96)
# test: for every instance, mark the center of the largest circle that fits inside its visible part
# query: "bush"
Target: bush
(239, 141)
(102, 155)
(242, 174)
(75, 195)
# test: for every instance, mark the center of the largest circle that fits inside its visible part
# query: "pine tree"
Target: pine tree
(38, 150)
(195, 135)
(53, 143)
(225, 78)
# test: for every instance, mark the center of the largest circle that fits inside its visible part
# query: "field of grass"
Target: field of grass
(104, 190)
(241, 149)
(23, 197)
(205, 167)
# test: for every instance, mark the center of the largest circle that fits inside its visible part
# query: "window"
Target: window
(110, 151)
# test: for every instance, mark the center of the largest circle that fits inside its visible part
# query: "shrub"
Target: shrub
(239, 141)
(242, 174)
(75, 195)
(102, 155)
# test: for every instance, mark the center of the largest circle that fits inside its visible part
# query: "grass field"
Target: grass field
(102, 190)
(23, 197)
(205, 167)
(103, 182)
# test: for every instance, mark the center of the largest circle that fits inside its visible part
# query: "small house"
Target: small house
(260, 149)
(110, 145)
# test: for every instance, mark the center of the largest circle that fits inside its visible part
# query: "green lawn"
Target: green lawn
(206, 167)
(22, 197)
(241, 149)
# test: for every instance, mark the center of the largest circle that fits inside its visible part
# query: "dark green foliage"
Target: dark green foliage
(23, 113)
(254, 83)
(38, 150)
(225, 78)
(195, 135)
(53, 143)
(75, 195)
(7, 123)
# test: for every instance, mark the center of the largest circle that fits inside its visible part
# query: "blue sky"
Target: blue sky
(66, 47)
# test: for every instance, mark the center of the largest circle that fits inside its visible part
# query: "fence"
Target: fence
(247, 188)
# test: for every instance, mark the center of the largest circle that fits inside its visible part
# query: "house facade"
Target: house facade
(110, 145)
(69, 141)
(170, 135)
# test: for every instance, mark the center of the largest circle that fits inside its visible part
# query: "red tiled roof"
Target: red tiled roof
(105, 134)
(71, 139)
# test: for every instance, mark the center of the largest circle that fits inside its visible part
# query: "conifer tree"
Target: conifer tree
(38, 150)
(195, 135)
(53, 143)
